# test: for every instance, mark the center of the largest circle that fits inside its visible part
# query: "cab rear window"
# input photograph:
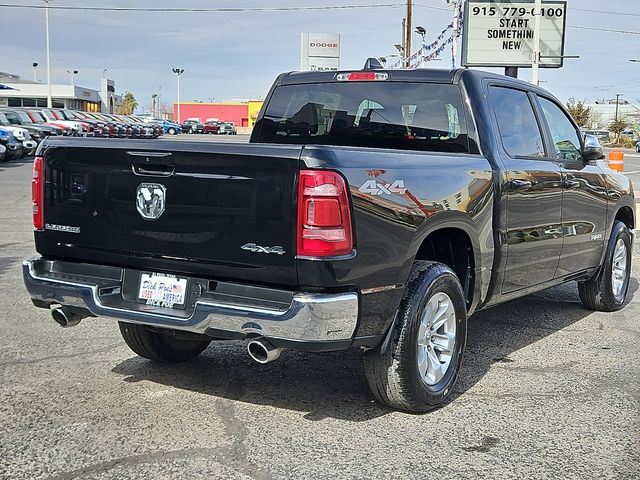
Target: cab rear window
(397, 115)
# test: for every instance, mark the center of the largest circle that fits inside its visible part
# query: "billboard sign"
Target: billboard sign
(500, 34)
(320, 51)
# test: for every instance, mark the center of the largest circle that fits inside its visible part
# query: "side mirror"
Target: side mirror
(592, 149)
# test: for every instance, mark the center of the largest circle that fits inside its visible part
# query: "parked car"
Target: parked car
(3, 152)
(169, 127)
(21, 119)
(38, 118)
(52, 116)
(227, 129)
(602, 135)
(100, 128)
(638, 146)
(212, 127)
(371, 209)
(21, 134)
(192, 126)
(13, 146)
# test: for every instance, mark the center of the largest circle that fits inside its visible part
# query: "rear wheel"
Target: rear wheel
(418, 367)
(607, 291)
(165, 346)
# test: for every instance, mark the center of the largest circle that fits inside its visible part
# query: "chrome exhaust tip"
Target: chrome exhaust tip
(65, 318)
(262, 351)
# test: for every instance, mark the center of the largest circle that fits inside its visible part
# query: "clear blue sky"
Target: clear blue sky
(238, 54)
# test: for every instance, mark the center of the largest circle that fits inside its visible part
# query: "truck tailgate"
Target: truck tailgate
(183, 207)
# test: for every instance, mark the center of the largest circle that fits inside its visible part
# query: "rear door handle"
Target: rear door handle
(518, 184)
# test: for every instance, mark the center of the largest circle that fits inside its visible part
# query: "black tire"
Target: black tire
(392, 370)
(167, 346)
(597, 293)
(171, 131)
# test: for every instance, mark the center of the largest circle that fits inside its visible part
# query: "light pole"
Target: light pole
(35, 75)
(72, 74)
(178, 72)
(104, 73)
(46, 18)
(420, 30)
(154, 99)
(634, 60)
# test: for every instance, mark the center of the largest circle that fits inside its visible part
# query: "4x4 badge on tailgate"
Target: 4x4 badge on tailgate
(252, 247)
(150, 200)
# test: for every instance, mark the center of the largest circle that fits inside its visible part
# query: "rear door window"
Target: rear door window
(519, 129)
(408, 116)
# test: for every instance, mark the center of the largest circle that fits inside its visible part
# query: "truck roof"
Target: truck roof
(428, 75)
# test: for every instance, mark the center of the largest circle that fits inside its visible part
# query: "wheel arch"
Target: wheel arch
(452, 239)
(626, 215)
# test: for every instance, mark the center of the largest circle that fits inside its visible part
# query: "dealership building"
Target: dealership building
(242, 113)
(26, 93)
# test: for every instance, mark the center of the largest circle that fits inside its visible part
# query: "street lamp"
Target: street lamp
(423, 33)
(104, 73)
(72, 74)
(178, 72)
(35, 77)
(154, 99)
(634, 60)
(46, 21)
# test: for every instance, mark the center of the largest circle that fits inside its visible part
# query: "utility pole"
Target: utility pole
(615, 122)
(535, 60)
(408, 31)
(403, 45)
(46, 18)
(456, 27)
(35, 72)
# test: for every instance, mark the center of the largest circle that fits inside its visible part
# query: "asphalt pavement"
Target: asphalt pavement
(548, 390)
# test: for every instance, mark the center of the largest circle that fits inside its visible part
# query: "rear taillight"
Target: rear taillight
(324, 216)
(37, 193)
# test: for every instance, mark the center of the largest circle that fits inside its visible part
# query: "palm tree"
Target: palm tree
(129, 104)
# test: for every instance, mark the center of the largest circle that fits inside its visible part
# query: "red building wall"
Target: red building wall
(236, 113)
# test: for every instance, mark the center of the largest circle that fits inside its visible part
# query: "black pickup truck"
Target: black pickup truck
(375, 209)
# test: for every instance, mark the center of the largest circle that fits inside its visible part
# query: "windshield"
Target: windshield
(13, 118)
(24, 118)
(408, 116)
(39, 117)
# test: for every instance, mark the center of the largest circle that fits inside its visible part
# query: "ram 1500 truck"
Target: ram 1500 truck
(372, 209)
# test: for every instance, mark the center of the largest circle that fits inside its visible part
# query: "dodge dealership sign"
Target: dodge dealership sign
(320, 51)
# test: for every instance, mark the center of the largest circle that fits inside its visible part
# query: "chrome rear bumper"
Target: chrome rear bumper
(305, 317)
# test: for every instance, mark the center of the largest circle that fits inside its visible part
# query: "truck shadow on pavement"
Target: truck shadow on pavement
(333, 385)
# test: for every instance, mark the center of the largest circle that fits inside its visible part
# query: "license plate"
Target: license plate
(162, 290)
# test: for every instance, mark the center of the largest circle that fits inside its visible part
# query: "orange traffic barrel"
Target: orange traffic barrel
(616, 160)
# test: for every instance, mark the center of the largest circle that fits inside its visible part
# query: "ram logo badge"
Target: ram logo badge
(374, 187)
(150, 200)
(252, 247)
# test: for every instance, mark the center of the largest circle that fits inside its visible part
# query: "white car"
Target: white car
(22, 135)
(73, 125)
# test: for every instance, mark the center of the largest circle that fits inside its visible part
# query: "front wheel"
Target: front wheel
(163, 345)
(171, 131)
(416, 369)
(607, 291)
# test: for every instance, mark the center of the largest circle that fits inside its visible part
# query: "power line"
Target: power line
(626, 14)
(202, 10)
(582, 27)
